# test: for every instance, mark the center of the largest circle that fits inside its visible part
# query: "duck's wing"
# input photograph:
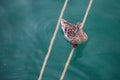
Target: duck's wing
(66, 23)
(66, 26)
(78, 26)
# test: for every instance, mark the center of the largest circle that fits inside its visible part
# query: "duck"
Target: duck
(73, 33)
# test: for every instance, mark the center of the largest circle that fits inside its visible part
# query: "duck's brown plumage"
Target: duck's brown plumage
(73, 33)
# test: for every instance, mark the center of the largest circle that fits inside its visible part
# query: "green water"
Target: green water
(26, 28)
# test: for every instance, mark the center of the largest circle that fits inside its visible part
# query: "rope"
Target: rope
(52, 40)
(86, 14)
(67, 63)
(72, 51)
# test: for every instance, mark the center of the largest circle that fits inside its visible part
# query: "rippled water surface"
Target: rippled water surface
(26, 28)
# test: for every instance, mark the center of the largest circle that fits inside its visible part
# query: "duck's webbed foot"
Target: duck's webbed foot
(74, 45)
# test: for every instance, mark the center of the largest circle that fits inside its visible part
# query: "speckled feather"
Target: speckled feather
(73, 33)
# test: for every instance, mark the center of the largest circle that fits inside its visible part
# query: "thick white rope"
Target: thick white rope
(52, 40)
(67, 63)
(72, 51)
(86, 14)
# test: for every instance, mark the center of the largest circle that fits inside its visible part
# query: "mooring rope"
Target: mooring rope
(72, 51)
(52, 40)
(67, 63)
(86, 14)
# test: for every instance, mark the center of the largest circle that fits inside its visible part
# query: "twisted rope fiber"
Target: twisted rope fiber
(72, 51)
(52, 40)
